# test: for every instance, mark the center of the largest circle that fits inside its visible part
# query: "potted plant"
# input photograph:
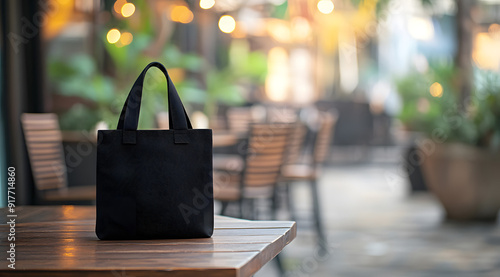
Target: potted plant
(463, 170)
(419, 112)
(460, 154)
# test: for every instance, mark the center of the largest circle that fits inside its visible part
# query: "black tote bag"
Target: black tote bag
(154, 184)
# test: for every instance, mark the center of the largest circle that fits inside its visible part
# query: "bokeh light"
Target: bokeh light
(420, 28)
(128, 10)
(181, 14)
(485, 52)
(277, 80)
(118, 5)
(113, 36)
(207, 4)
(325, 6)
(494, 29)
(301, 29)
(279, 30)
(227, 24)
(126, 38)
(436, 90)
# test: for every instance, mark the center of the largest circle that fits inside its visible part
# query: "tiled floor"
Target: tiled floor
(376, 228)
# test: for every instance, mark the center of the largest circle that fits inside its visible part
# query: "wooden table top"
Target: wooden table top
(60, 241)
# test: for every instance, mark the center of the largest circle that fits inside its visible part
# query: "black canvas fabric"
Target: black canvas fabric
(154, 184)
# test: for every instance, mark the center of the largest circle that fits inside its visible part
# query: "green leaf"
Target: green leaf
(192, 62)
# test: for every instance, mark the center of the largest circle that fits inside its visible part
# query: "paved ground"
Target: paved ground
(376, 228)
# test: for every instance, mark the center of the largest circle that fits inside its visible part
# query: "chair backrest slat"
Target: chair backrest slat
(44, 144)
(324, 137)
(265, 155)
(239, 119)
(295, 146)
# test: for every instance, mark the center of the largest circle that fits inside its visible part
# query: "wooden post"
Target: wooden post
(463, 58)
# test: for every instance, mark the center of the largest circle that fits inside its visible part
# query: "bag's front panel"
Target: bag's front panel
(168, 185)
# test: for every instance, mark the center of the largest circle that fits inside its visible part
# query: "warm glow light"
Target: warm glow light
(68, 210)
(485, 52)
(436, 90)
(118, 5)
(494, 29)
(302, 78)
(207, 4)
(69, 251)
(420, 28)
(113, 36)
(238, 32)
(279, 30)
(278, 78)
(57, 21)
(181, 14)
(301, 29)
(227, 24)
(348, 61)
(325, 6)
(126, 38)
(128, 10)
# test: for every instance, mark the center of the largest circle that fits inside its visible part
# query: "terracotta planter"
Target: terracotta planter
(465, 179)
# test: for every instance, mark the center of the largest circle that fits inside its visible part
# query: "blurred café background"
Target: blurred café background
(375, 124)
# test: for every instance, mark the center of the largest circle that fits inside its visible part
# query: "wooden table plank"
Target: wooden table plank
(89, 226)
(60, 241)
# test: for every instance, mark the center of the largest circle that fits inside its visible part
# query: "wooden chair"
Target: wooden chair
(307, 169)
(239, 119)
(44, 144)
(295, 145)
(259, 175)
(283, 114)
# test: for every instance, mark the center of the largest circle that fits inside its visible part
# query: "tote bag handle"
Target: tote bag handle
(129, 117)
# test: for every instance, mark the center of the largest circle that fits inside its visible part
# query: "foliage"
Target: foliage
(441, 116)
(103, 91)
(381, 5)
(78, 76)
(486, 102)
